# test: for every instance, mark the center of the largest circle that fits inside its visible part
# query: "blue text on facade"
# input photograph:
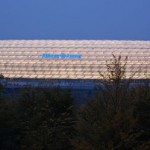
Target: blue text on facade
(61, 56)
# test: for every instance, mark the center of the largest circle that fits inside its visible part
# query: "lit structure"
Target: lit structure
(74, 60)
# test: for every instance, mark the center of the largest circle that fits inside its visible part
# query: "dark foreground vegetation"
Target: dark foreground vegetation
(46, 119)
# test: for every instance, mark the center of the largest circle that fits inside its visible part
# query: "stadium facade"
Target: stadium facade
(75, 63)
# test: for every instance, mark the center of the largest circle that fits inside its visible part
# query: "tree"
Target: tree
(112, 119)
(45, 119)
(8, 121)
(141, 96)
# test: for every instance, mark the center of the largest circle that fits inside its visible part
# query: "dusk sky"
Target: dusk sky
(75, 19)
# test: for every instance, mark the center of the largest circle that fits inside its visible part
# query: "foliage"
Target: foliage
(39, 119)
(8, 120)
(8, 128)
(46, 118)
(118, 118)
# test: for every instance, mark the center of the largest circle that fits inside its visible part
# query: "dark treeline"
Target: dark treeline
(118, 118)
(38, 119)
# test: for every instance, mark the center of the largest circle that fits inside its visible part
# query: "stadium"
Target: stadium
(68, 63)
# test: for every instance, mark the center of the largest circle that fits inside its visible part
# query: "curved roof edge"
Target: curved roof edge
(71, 43)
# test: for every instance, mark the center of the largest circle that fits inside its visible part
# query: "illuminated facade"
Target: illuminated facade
(70, 59)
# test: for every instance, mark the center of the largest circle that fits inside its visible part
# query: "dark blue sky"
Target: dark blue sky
(75, 19)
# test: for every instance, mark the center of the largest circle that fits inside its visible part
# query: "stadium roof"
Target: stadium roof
(70, 59)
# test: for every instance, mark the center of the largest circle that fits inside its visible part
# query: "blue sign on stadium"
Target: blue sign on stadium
(62, 56)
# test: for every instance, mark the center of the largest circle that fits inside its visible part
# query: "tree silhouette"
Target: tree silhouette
(113, 120)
